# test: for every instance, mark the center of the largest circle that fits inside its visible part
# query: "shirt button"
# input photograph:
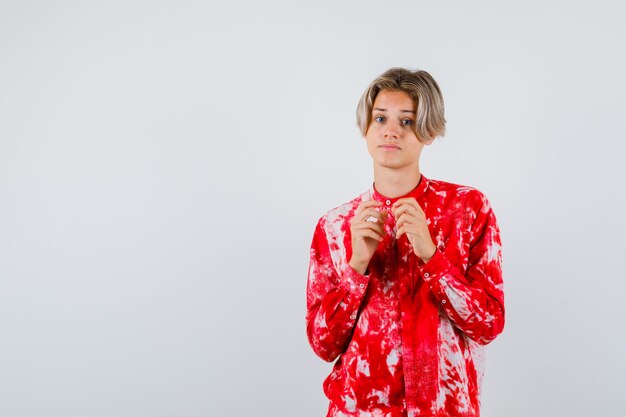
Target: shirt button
(426, 274)
(353, 317)
(388, 202)
(443, 301)
(361, 285)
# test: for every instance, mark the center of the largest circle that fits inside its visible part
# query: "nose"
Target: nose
(391, 131)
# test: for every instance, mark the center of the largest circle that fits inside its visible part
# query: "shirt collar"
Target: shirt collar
(416, 192)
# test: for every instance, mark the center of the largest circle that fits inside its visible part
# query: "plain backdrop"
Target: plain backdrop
(163, 165)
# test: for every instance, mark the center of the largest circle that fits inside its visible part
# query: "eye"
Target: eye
(379, 119)
(407, 122)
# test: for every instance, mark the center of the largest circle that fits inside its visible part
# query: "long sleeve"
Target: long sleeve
(334, 296)
(406, 338)
(473, 300)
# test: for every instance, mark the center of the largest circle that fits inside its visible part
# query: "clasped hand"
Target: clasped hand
(367, 230)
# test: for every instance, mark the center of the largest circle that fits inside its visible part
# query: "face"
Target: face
(390, 138)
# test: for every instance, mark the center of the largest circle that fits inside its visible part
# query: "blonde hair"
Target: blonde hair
(421, 87)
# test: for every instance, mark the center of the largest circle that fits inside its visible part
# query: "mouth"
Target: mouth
(390, 147)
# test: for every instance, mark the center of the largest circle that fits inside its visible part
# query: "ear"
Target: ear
(429, 141)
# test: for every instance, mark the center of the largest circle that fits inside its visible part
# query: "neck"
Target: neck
(393, 183)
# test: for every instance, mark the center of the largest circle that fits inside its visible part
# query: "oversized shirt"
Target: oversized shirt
(408, 336)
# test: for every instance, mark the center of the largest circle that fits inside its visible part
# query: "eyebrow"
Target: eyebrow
(403, 111)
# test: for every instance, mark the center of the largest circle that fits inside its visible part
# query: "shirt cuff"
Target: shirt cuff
(353, 281)
(437, 266)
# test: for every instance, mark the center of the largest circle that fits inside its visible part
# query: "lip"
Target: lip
(390, 147)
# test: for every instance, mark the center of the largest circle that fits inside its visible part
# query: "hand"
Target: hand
(367, 231)
(411, 220)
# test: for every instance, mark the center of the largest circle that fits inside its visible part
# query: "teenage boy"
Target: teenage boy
(405, 281)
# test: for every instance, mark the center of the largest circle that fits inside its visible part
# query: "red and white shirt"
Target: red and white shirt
(408, 337)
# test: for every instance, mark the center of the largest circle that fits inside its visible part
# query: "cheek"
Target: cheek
(417, 149)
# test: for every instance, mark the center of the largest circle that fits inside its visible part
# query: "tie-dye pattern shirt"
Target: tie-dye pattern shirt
(408, 337)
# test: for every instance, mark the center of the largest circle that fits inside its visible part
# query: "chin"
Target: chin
(391, 164)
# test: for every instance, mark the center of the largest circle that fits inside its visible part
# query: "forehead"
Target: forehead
(390, 99)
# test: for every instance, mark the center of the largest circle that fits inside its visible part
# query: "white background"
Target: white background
(163, 165)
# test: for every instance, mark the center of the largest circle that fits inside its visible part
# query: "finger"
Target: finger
(378, 217)
(409, 217)
(377, 227)
(402, 208)
(407, 201)
(366, 214)
(369, 215)
(399, 211)
(405, 229)
(372, 235)
(367, 232)
(367, 204)
(410, 212)
(405, 220)
(406, 213)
